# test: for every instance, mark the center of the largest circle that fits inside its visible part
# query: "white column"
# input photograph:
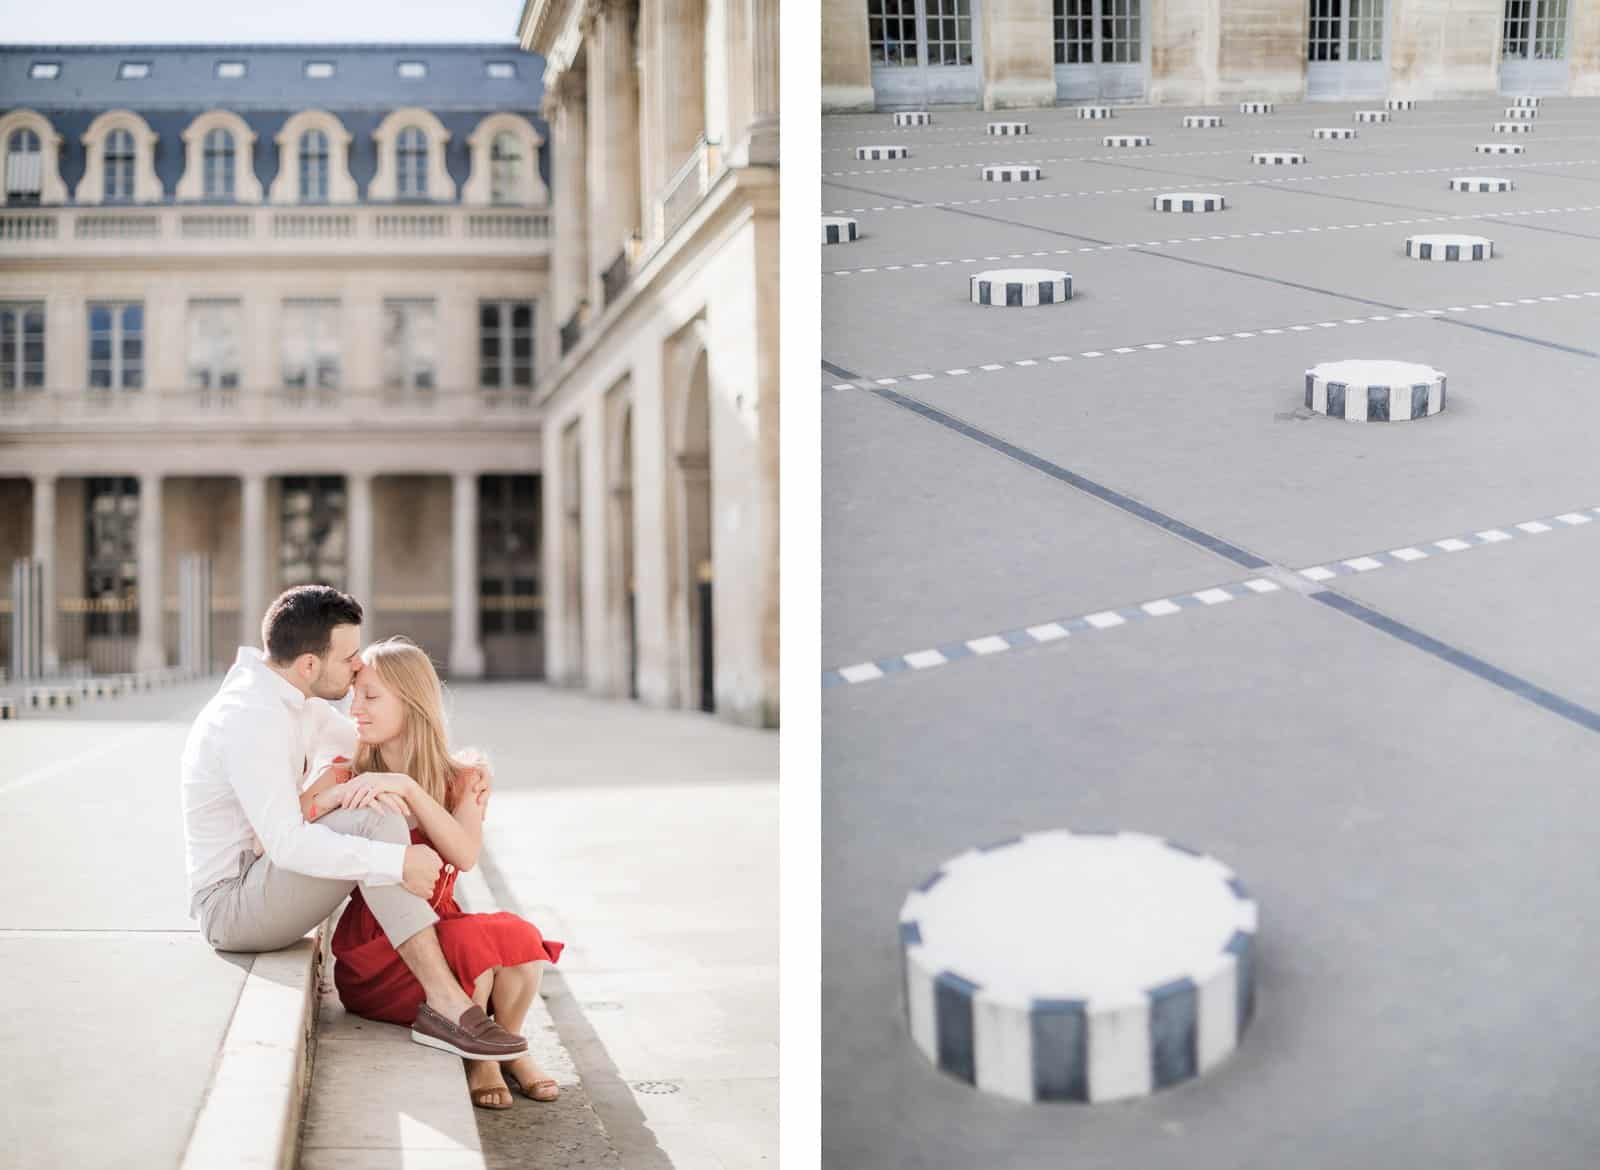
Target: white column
(613, 125)
(152, 651)
(762, 129)
(253, 558)
(466, 651)
(570, 180)
(44, 552)
(358, 545)
(679, 89)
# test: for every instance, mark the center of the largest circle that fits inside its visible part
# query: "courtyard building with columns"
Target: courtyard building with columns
(659, 405)
(285, 307)
(997, 54)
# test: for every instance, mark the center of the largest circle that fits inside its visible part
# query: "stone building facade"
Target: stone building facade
(660, 412)
(286, 306)
(888, 54)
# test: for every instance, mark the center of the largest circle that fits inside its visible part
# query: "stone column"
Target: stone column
(44, 550)
(466, 649)
(152, 649)
(846, 58)
(762, 129)
(598, 658)
(680, 91)
(613, 136)
(1017, 50)
(568, 119)
(358, 546)
(252, 558)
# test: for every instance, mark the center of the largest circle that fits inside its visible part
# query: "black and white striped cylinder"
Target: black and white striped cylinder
(1189, 201)
(1401, 104)
(1526, 100)
(1277, 158)
(1500, 148)
(8, 709)
(1255, 107)
(1095, 113)
(1007, 129)
(1373, 116)
(1513, 127)
(1020, 288)
(838, 229)
(1449, 247)
(1375, 390)
(1055, 999)
(873, 153)
(1201, 121)
(1521, 113)
(1011, 173)
(1125, 140)
(912, 118)
(1481, 184)
(1336, 133)
(51, 698)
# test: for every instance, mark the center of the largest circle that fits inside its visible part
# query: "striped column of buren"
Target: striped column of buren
(1189, 201)
(1020, 288)
(838, 229)
(1449, 247)
(1374, 390)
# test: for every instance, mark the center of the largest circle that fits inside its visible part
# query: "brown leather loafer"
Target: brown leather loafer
(475, 1036)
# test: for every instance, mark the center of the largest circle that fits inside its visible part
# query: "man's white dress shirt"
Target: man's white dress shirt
(244, 763)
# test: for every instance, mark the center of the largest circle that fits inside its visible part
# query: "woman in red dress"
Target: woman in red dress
(403, 763)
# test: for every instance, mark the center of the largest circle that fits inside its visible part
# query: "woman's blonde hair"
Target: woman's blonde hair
(422, 750)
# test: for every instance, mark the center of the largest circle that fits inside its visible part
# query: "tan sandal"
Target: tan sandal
(489, 1097)
(543, 1089)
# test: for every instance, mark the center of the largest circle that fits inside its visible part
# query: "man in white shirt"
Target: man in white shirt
(245, 761)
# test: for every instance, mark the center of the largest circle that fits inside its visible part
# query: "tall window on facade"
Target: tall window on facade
(111, 562)
(312, 550)
(313, 167)
(119, 167)
(1346, 30)
(412, 181)
(214, 328)
(508, 554)
(311, 344)
(505, 344)
(1535, 30)
(892, 31)
(24, 168)
(410, 345)
(505, 169)
(1119, 40)
(218, 164)
(116, 345)
(21, 346)
(949, 28)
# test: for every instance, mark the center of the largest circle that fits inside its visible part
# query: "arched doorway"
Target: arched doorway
(572, 552)
(692, 461)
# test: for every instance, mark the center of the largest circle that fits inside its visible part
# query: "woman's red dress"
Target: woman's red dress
(373, 980)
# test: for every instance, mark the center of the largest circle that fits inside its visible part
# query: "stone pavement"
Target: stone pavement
(1390, 746)
(614, 827)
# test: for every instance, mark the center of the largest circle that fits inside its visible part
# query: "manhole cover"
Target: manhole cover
(655, 1087)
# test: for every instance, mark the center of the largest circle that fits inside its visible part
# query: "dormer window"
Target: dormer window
(413, 69)
(119, 167)
(230, 69)
(45, 70)
(133, 70)
(501, 70)
(218, 164)
(413, 158)
(319, 68)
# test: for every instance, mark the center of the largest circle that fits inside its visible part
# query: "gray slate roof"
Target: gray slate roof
(183, 84)
(184, 77)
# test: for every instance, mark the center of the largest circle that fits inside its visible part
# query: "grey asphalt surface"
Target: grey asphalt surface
(1420, 833)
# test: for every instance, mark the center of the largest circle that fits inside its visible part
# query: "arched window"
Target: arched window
(218, 164)
(119, 167)
(313, 167)
(412, 182)
(505, 169)
(24, 168)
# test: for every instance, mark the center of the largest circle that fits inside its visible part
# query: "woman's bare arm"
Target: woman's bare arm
(457, 837)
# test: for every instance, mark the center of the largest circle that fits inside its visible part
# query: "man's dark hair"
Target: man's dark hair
(301, 621)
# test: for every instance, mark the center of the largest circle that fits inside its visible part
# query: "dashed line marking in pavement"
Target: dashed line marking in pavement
(1057, 629)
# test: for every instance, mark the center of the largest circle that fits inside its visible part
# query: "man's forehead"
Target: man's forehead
(346, 640)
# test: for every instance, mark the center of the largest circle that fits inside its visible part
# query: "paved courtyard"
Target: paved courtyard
(1353, 661)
